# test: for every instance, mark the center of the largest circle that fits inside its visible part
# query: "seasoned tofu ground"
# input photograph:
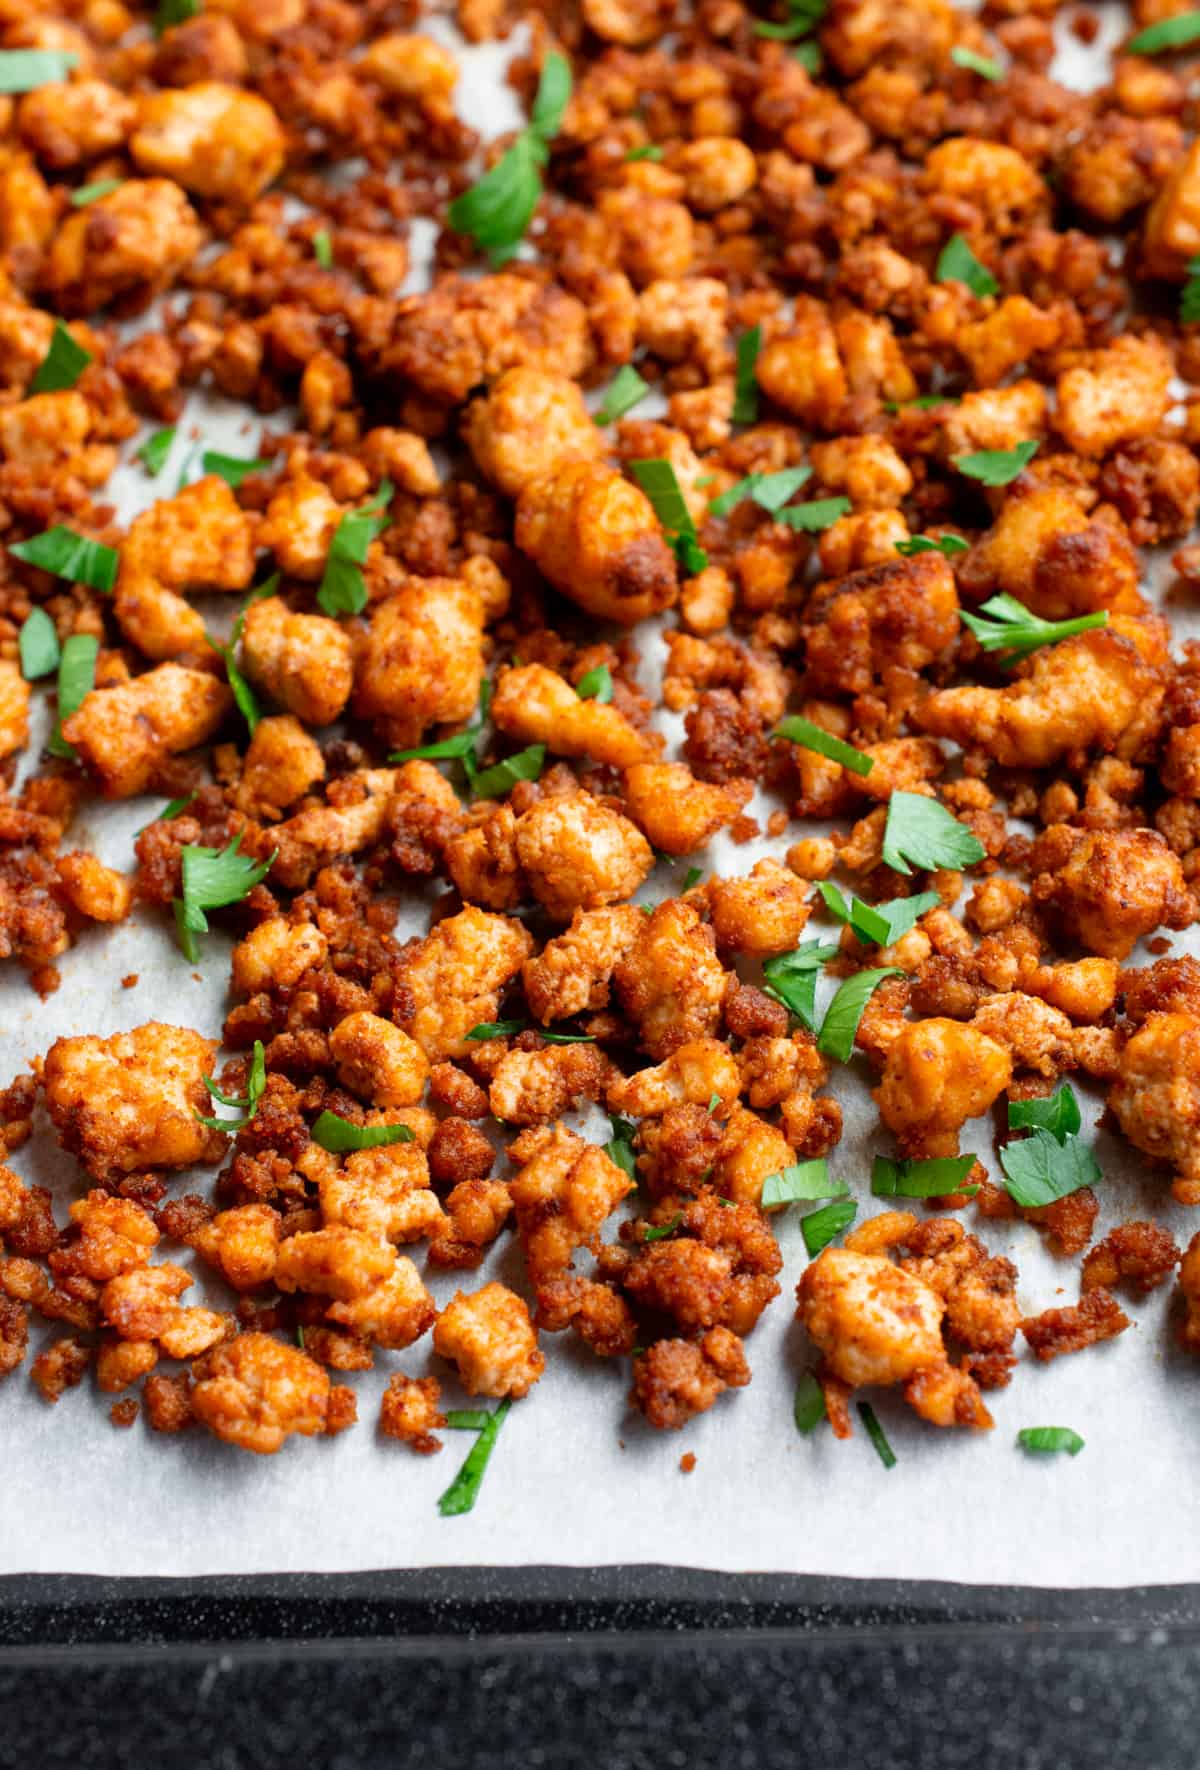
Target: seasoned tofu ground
(794, 483)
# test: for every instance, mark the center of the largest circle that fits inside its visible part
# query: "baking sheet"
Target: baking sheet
(576, 1478)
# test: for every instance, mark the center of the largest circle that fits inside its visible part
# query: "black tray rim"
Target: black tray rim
(52, 1613)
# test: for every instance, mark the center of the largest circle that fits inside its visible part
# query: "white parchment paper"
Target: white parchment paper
(577, 1479)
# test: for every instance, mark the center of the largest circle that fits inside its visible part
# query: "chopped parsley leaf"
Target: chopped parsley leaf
(76, 679)
(815, 737)
(626, 390)
(212, 879)
(336, 1134)
(820, 1226)
(246, 1104)
(936, 1178)
(1004, 624)
(38, 646)
(920, 832)
(463, 1491)
(958, 264)
(745, 390)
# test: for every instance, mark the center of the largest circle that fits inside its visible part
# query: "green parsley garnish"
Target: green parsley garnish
(770, 491)
(745, 387)
(619, 1148)
(526, 765)
(658, 480)
(596, 685)
(944, 544)
(494, 1029)
(937, 1178)
(1041, 1168)
(38, 645)
(185, 472)
(920, 832)
(808, 1408)
(1189, 301)
(661, 1231)
(924, 402)
(337, 1134)
(463, 1491)
(792, 979)
(91, 193)
(1004, 624)
(246, 1104)
(815, 737)
(649, 150)
(460, 747)
(342, 590)
(1059, 1114)
(958, 264)
(174, 12)
(322, 247)
(803, 1180)
(503, 1029)
(626, 390)
(233, 469)
(876, 1434)
(840, 1025)
(803, 17)
(997, 467)
(68, 555)
(881, 923)
(497, 210)
(62, 364)
(243, 694)
(692, 877)
(212, 879)
(170, 810)
(76, 679)
(1167, 33)
(984, 65)
(24, 70)
(819, 1227)
(808, 55)
(154, 451)
(462, 743)
(1044, 1439)
(811, 518)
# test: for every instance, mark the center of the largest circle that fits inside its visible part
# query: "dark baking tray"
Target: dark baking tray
(629, 1668)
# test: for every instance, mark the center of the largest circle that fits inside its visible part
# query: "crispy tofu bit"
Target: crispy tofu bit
(377, 1061)
(577, 854)
(489, 1337)
(130, 1101)
(455, 977)
(256, 1392)
(939, 1074)
(423, 659)
(1156, 1096)
(594, 534)
(15, 695)
(535, 706)
(565, 1190)
(213, 139)
(139, 237)
(304, 662)
(125, 734)
(528, 422)
(572, 971)
(670, 981)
